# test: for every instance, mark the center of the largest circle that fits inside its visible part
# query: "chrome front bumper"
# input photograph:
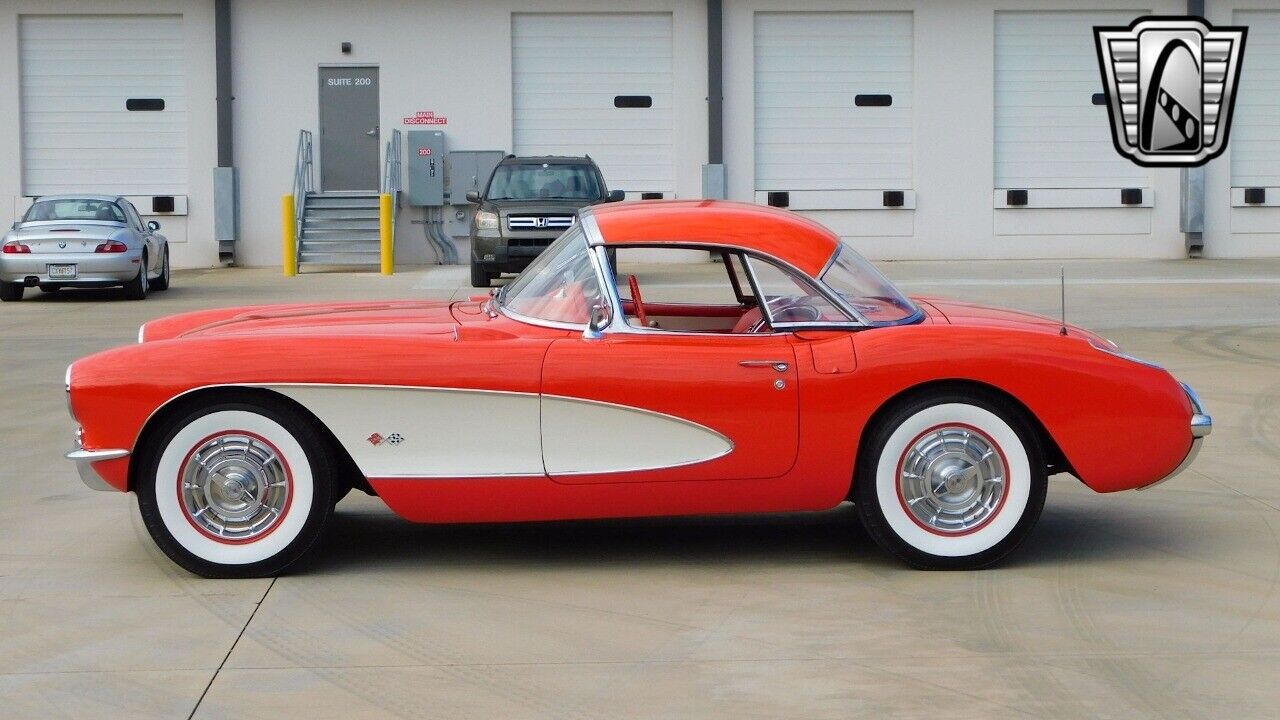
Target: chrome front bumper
(84, 460)
(1201, 426)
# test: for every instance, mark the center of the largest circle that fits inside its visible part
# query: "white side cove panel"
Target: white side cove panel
(410, 432)
(1254, 140)
(580, 83)
(582, 436)
(1048, 132)
(428, 432)
(78, 74)
(809, 132)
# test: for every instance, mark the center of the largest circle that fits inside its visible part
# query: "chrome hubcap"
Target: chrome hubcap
(952, 479)
(234, 487)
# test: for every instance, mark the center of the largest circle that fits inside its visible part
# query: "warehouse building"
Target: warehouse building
(903, 125)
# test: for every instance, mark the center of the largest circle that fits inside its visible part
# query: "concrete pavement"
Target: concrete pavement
(1154, 604)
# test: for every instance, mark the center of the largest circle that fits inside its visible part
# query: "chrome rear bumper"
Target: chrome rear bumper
(84, 460)
(1201, 426)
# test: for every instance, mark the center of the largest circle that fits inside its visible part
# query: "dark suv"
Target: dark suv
(527, 204)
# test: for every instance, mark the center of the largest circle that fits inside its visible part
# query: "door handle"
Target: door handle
(372, 132)
(778, 365)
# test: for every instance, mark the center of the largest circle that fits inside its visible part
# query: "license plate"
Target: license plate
(62, 272)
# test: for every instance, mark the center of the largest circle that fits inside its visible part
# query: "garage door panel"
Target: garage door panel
(809, 67)
(568, 68)
(1048, 132)
(1255, 128)
(76, 74)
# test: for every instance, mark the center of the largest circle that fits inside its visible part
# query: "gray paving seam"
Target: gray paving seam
(232, 649)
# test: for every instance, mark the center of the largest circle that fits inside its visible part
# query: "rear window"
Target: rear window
(545, 181)
(57, 210)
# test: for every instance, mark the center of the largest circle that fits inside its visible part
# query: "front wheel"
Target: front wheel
(951, 482)
(236, 489)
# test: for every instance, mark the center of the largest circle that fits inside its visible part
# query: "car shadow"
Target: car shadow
(112, 294)
(370, 537)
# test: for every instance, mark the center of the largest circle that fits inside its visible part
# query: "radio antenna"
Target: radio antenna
(1062, 284)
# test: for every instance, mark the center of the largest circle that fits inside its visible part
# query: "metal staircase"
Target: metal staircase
(339, 228)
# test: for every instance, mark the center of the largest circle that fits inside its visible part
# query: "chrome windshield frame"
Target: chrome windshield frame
(917, 312)
(502, 308)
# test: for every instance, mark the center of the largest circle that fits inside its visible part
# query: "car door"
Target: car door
(659, 406)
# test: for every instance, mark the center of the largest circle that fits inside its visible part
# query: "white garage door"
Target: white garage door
(1049, 133)
(1255, 131)
(821, 84)
(597, 84)
(103, 104)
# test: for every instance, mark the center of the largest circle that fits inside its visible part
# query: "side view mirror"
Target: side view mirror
(616, 196)
(473, 196)
(152, 225)
(597, 322)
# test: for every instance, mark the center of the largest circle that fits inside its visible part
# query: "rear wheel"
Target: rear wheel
(11, 292)
(236, 489)
(162, 282)
(950, 482)
(136, 289)
(480, 277)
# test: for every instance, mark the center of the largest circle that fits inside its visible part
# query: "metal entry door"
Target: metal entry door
(349, 134)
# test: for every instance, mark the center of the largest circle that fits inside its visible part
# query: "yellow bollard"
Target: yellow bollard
(385, 235)
(289, 231)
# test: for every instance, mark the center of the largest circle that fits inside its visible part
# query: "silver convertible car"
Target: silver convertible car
(83, 241)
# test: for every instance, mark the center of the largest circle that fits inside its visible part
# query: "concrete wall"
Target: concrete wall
(191, 236)
(955, 215)
(453, 58)
(1236, 231)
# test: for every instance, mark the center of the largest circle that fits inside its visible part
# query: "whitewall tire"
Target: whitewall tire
(236, 489)
(951, 481)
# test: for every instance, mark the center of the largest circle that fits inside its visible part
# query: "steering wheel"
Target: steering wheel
(635, 298)
(791, 309)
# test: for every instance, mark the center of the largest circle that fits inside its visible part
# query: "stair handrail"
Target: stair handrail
(391, 167)
(304, 182)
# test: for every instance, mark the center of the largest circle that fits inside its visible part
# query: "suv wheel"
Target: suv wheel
(480, 277)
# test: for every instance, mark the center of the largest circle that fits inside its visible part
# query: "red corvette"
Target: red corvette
(808, 381)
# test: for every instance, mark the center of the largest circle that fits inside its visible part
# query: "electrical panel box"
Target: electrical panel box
(470, 170)
(424, 164)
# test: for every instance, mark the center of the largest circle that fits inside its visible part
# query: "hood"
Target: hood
(957, 312)
(350, 319)
(80, 236)
(538, 205)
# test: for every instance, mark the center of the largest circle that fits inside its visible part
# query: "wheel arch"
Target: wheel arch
(1055, 460)
(159, 420)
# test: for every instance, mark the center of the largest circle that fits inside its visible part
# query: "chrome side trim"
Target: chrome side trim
(84, 457)
(84, 460)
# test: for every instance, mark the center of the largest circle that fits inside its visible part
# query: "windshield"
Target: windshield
(61, 210)
(560, 285)
(865, 289)
(545, 181)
